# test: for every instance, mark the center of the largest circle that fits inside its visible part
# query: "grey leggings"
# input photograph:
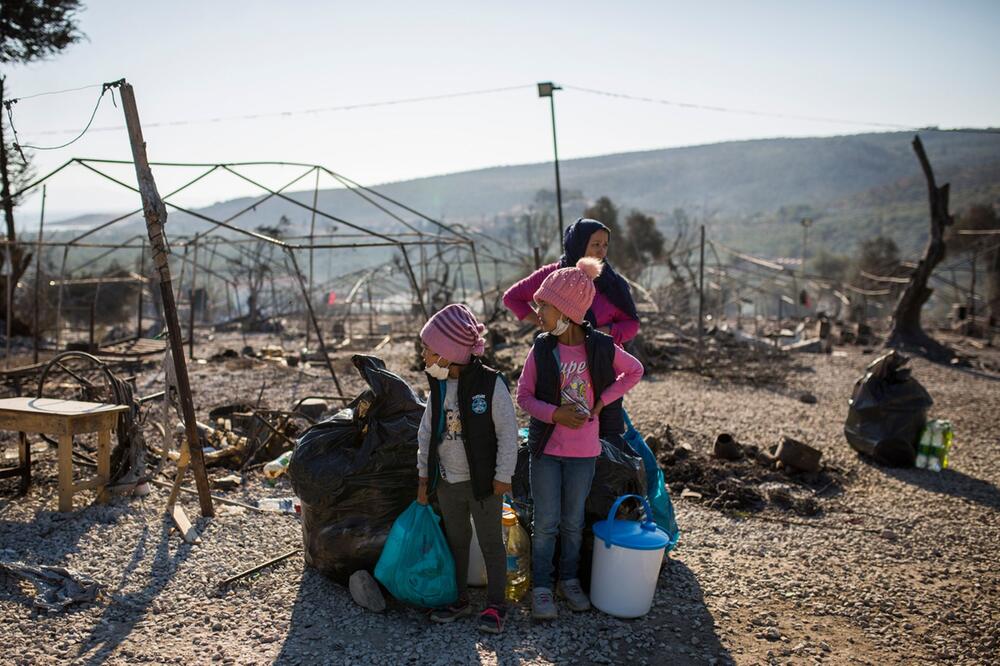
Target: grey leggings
(457, 504)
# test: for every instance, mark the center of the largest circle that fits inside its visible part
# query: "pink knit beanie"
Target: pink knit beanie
(454, 333)
(571, 290)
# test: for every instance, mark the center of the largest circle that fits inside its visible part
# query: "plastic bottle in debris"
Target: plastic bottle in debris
(924, 450)
(280, 504)
(518, 558)
(278, 466)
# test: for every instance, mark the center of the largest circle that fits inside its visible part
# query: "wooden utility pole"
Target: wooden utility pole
(156, 215)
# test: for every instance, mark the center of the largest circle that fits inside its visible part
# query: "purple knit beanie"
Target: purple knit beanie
(454, 333)
(572, 289)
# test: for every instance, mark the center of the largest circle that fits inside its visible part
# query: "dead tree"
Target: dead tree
(907, 333)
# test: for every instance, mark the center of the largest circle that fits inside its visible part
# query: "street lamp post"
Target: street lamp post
(546, 89)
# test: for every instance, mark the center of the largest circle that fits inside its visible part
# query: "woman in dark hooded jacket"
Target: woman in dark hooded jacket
(613, 310)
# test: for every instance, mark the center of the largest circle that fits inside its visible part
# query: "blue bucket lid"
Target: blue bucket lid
(630, 533)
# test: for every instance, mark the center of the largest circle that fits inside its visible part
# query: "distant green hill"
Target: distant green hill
(750, 193)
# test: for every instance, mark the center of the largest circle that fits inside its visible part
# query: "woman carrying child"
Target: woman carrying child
(570, 374)
(467, 452)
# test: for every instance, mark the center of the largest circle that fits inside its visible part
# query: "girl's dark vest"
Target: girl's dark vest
(600, 364)
(476, 384)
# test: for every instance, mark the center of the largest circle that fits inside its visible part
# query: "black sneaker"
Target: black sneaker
(452, 612)
(491, 620)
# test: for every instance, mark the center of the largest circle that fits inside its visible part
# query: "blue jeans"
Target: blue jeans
(559, 488)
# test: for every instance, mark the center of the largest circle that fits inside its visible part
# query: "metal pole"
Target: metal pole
(312, 231)
(312, 317)
(142, 273)
(10, 297)
(59, 297)
(479, 279)
(701, 292)
(38, 276)
(191, 297)
(555, 150)
(972, 293)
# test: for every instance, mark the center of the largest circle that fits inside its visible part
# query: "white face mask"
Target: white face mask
(437, 371)
(561, 327)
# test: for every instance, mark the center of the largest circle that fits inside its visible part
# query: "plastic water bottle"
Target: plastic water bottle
(518, 558)
(924, 451)
(280, 504)
(278, 466)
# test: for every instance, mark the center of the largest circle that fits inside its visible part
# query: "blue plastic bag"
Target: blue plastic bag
(659, 498)
(416, 565)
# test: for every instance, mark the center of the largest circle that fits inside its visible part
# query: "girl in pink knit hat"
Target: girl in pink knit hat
(571, 372)
(467, 453)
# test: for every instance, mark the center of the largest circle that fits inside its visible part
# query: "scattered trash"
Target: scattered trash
(255, 569)
(755, 482)
(278, 466)
(802, 457)
(312, 408)
(356, 472)
(727, 448)
(56, 588)
(935, 443)
(281, 504)
(518, 547)
(887, 412)
(227, 482)
(416, 565)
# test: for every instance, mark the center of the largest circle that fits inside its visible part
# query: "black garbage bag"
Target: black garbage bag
(356, 472)
(888, 409)
(616, 473)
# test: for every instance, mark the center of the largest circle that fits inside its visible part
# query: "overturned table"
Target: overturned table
(63, 419)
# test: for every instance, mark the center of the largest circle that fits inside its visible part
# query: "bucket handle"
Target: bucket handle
(647, 524)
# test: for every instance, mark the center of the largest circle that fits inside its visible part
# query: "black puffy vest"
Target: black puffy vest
(476, 384)
(600, 364)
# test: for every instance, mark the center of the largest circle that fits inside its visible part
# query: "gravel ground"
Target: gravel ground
(899, 567)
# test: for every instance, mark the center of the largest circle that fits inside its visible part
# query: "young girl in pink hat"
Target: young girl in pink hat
(467, 453)
(571, 373)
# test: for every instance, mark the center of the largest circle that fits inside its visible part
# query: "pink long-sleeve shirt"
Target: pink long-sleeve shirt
(576, 386)
(519, 297)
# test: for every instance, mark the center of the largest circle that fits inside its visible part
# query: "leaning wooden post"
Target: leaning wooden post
(156, 215)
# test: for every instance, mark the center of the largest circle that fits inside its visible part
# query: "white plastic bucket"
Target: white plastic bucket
(477, 564)
(626, 565)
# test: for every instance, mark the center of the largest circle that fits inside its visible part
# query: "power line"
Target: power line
(771, 114)
(316, 110)
(56, 92)
(18, 146)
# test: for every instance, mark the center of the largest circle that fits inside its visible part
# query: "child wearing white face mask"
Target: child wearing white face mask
(467, 453)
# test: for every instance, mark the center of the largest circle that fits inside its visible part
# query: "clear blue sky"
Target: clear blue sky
(911, 63)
